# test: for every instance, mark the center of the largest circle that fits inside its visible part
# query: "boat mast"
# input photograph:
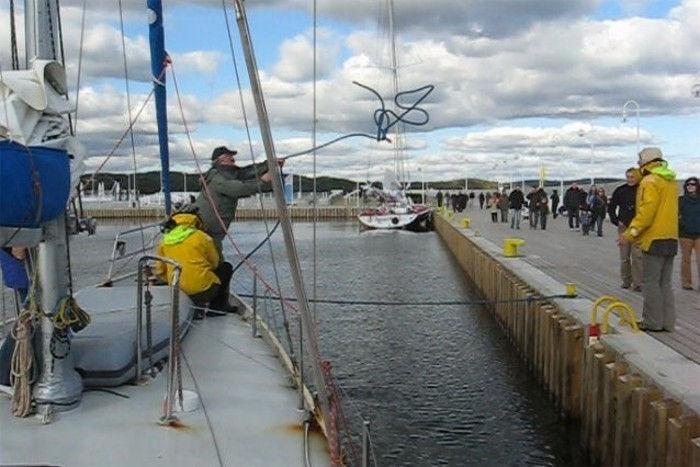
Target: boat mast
(285, 222)
(399, 168)
(156, 37)
(59, 386)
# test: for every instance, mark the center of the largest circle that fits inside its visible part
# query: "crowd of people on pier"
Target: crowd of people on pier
(651, 222)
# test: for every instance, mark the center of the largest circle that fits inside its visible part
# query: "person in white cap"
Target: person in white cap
(654, 229)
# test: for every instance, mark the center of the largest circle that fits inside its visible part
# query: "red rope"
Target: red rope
(131, 123)
(251, 266)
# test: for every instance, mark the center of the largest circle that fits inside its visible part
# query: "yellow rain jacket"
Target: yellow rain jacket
(194, 250)
(656, 207)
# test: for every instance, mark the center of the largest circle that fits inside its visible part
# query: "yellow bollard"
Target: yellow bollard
(627, 315)
(465, 222)
(510, 246)
(570, 289)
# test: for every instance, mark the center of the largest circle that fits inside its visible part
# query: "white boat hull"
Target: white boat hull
(410, 220)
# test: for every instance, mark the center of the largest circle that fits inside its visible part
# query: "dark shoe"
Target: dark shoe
(643, 327)
(625, 286)
(223, 307)
(198, 314)
(637, 288)
(687, 287)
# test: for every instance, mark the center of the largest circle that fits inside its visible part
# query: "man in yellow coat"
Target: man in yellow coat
(654, 229)
(204, 277)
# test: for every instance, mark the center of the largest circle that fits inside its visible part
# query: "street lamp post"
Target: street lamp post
(583, 134)
(624, 116)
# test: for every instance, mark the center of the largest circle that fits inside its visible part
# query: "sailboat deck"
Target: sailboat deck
(249, 414)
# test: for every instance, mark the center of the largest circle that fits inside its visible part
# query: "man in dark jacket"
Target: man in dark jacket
(555, 203)
(227, 182)
(621, 211)
(572, 203)
(482, 199)
(533, 210)
(439, 198)
(542, 207)
(516, 201)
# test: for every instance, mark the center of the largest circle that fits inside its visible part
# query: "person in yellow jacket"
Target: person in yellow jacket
(204, 277)
(654, 229)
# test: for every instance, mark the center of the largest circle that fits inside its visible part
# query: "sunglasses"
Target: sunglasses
(691, 184)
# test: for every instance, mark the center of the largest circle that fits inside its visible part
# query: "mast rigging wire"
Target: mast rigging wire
(131, 127)
(244, 113)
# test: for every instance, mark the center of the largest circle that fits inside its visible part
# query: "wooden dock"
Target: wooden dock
(635, 399)
(593, 264)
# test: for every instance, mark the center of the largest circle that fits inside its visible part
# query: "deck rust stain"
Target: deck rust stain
(177, 425)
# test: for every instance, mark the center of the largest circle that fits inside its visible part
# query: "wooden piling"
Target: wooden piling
(612, 371)
(642, 397)
(662, 411)
(624, 433)
(681, 430)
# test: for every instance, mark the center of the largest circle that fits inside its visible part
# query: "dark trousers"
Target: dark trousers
(573, 216)
(543, 221)
(555, 213)
(217, 294)
(494, 216)
(599, 224)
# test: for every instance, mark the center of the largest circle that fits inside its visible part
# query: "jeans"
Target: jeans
(504, 215)
(515, 219)
(659, 309)
(534, 218)
(573, 214)
(599, 223)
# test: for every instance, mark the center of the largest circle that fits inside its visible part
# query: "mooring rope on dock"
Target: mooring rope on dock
(329, 301)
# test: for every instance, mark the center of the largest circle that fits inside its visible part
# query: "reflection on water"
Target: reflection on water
(442, 386)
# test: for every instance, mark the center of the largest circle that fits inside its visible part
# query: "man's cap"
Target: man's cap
(647, 155)
(221, 150)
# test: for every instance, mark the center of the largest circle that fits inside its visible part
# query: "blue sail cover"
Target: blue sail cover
(34, 184)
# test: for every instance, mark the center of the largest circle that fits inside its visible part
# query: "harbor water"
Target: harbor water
(441, 385)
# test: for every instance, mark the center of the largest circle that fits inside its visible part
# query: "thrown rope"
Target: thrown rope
(384, 119)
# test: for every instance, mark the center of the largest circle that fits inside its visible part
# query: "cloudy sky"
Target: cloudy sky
(518, 83)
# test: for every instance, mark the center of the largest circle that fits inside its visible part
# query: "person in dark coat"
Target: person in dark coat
(439, 198)
(689, 230)
(503, 206)
(532, 208)
(555, 203)
(542, 207)
(621, 212)
(516, 201)
(482, 199)
(599, 207)
(572, 203)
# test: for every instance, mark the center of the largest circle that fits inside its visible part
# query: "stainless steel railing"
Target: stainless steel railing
(120, 254)
(174, 372)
